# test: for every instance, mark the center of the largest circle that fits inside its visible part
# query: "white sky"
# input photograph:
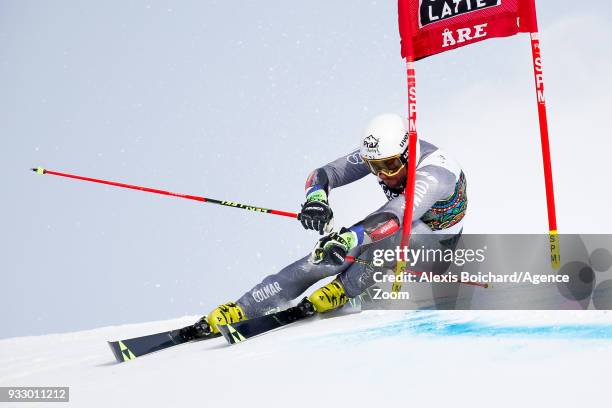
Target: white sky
(240, 101)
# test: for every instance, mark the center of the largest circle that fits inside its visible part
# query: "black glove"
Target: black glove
(334, 247)
(316, 213)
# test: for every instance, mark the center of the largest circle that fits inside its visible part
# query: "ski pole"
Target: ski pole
(41, 170)
(232, 204)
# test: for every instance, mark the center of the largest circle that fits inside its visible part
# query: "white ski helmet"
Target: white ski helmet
(384, 147)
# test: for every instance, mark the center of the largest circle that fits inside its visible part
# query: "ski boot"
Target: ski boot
(328, 297)
(225, 314)
(198, 330)
(303, 309)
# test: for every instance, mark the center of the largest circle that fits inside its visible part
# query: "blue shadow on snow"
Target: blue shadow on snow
(424, 323)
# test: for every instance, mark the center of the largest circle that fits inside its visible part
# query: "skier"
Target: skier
(440, 203)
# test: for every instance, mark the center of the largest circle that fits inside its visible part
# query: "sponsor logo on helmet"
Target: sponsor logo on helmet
(404, 140)
(371, 142)
(371, 145)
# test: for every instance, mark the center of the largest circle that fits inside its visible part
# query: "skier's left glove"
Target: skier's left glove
(334, 247)
(316, 213)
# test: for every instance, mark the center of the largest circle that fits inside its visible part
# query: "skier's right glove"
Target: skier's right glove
(334, 247)
(316, 213)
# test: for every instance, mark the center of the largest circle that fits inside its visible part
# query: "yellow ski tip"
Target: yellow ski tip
(38, 170)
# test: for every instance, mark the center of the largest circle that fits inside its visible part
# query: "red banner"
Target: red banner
(429, 27)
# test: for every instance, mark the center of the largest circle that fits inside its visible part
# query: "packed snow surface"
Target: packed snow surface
(499, 358)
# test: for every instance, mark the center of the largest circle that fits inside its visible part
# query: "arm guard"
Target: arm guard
(433, 183)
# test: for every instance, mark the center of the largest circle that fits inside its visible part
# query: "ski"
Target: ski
(243, 330)
(129, 349)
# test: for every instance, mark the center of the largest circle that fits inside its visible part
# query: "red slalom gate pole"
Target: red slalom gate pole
(412, 141)
(555, 256)
(411, 176)
(232, 204)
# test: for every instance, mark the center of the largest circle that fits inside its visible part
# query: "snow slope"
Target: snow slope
(502, 359)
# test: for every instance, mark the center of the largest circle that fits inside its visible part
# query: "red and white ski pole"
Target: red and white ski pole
(232, 204)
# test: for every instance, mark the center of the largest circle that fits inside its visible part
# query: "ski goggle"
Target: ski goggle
(389, 166)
